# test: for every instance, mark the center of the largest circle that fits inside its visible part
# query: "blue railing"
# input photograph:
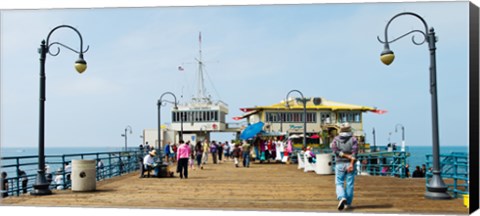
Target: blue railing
(383, 163)
(379, 163)
(454, 167)
(115, 163)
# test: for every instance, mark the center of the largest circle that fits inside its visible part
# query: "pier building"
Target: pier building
(323, 118)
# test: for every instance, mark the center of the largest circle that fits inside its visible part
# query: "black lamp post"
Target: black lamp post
(159, 104)
(374, 142)
(41, 186)
(436, 188)
(403, 135)
(304, 101)
(280, 116)
(390, 142)
(125, 135)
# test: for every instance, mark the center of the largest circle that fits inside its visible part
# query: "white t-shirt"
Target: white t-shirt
(148, 160)
(59, 181)
(282, 145)
(68, 168)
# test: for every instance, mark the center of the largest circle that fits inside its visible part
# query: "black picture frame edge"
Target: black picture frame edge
(474, 107)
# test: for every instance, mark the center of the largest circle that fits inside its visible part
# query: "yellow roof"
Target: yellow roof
(323, 105)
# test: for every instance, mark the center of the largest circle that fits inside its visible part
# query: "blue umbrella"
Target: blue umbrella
(251, 130)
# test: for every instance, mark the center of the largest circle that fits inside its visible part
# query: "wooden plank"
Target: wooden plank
(274, 187)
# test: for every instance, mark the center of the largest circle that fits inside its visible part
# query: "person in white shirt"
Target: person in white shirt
(231, 147)
(59, 179)
(149, 162)
(279, 149)
(100, 167)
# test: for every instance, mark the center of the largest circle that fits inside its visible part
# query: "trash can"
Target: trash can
(83, 175)
(324, 164)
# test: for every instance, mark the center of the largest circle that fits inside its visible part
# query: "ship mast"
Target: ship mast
(200, 85)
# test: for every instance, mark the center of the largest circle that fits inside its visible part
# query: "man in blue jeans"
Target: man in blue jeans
(246, 154)
(345, 148)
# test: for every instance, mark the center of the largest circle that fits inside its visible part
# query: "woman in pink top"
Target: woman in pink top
(183, 153)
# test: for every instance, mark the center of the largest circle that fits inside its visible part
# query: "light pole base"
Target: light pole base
(41, 186)
(436, 188)
(40, 190)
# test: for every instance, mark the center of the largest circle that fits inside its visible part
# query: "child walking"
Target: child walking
(191, 161)
(236, 154)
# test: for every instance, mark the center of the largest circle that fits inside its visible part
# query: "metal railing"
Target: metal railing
(115, 163)
(453, 167)
(380, 163)
(383, 163)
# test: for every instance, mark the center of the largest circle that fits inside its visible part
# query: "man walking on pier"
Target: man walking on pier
(345, 148)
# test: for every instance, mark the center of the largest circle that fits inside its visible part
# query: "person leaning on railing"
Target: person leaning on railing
(4, 185)
(24, 179)
(100, 167)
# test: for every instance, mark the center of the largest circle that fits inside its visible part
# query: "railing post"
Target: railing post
(403, 163)
(17, 168)
(63, 171)
(455, 172)
(119, 164)
(97, 168)
(109, 165)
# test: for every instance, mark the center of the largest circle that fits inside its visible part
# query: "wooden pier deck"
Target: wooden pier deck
(270, 187)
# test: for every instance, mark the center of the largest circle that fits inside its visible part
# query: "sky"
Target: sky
(254, 56)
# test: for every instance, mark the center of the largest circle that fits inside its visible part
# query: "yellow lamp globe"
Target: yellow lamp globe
(80, 65)
(387, 56)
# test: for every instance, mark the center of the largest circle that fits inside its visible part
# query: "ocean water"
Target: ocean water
(418, 154)
(15, 151)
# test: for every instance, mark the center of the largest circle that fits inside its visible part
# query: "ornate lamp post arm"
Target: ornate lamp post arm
(41, 186)
(436, 188)
(159, 104)
(80, 64)
(304, 101)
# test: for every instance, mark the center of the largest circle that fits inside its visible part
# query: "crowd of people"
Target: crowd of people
(189, 155)
(263, 149)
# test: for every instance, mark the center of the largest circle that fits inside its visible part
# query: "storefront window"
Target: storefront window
(342, 117)
(357, 117)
